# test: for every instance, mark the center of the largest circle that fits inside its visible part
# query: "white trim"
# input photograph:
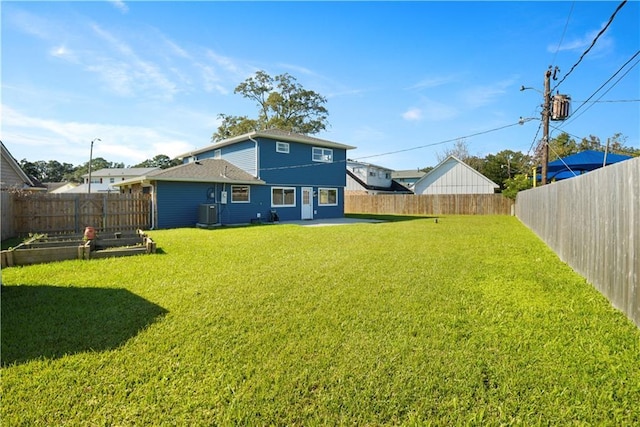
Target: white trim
(321, 154)
(248, 194)
(282, 147)
(327, 189)
(283, 205)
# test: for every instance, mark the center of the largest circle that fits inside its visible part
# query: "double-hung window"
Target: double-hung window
(240, 193)
(327, 196)
(283, 196)
(322, 154)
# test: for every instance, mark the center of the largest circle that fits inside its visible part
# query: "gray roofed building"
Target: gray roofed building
(207, 170)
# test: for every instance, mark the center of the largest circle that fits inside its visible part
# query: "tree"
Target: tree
(518, 183)
(160, 161)
(504, 165)
(460, 150)
(283, 104)
(43, 171)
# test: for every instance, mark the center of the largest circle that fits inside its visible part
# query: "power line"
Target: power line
(564, 32)
(602, 31)
(446, 141)
(573, 115)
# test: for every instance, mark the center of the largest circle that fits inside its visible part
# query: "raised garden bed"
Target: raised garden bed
(42, 249)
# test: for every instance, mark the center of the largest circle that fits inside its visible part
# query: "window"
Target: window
(283, 196)
(112, 180)
(327, 197)
(282, 147)
(322, 154)
(217, 154)
(240, 194)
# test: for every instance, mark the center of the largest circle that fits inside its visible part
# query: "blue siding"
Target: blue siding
(178, 203)
(298, 168)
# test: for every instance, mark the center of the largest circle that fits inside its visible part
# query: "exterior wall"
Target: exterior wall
(10, 178)
(177, 204)
(298, 168)
(452, 177)
(243, 155)
(371, 175)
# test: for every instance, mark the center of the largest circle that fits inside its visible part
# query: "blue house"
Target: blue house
(257, 177)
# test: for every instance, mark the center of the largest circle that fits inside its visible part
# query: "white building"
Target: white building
(453, 176)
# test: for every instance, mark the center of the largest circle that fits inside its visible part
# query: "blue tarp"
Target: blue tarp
(577, 164)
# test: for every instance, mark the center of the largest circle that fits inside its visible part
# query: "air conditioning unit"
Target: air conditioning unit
(208, 214)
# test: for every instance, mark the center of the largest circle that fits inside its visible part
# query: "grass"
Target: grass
(471, 320)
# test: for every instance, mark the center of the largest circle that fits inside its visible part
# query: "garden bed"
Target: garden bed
(42, 248)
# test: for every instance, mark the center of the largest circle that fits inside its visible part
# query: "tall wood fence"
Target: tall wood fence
(434, 204)
(593, 223)
(24, 213)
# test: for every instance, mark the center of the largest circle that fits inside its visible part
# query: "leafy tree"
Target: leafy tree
(160, 161)
(43, 171)
(504, 165)
(282, 104)
(518, 183)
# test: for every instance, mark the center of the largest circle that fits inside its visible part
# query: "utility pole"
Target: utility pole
(546, 114)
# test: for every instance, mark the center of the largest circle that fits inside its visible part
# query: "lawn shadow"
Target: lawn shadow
(389, 218)
(49, 321)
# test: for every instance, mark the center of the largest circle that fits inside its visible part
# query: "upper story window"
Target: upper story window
(282, 147)
(322, 154)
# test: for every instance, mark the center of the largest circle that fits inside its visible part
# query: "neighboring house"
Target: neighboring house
(408, 178)
(577, 164)
(365, 178)
(248, 178)
(104, 180)
(453, 176)
(13, 177)
(59, 187)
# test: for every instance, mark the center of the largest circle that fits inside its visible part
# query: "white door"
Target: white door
(307, 203)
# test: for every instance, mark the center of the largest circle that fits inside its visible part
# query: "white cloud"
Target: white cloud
(413, 114)
(120, 5)
(479, 96)
(65, 141)
(431, 82)
(604, 43)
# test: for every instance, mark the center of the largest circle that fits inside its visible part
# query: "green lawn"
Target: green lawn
(471, 320)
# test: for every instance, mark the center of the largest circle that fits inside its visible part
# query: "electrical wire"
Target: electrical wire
(574, 116)
(564, 32)
(316, 164)
(602, 31)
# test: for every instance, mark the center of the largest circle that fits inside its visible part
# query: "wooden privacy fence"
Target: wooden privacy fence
(71, 213)
(592, 222)
(435, 204)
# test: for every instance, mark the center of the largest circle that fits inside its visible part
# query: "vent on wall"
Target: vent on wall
(208, 214)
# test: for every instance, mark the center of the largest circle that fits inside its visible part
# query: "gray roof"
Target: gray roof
(411, 173)
(276, 134)
(120, 172)
(208, 170)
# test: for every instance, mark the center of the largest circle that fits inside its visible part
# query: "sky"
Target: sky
(404, 81)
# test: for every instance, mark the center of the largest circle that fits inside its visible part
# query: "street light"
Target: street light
(90, 160)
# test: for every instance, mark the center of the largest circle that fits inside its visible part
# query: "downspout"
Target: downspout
(153, 207)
